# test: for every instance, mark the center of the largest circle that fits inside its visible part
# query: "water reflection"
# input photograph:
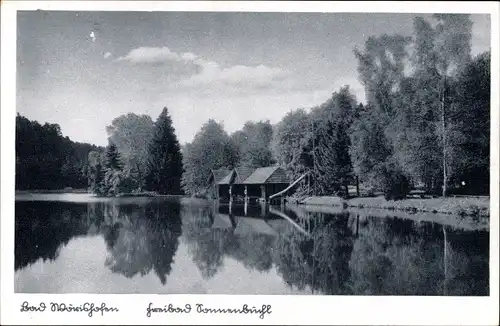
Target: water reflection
(139, 238)
(309, 252)
(147, 240)
(42, 228)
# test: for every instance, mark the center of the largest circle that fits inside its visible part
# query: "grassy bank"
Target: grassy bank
(464, 207)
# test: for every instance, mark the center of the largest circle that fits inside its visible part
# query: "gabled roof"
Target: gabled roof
(218, 175)
(242, 174)
(278, 176)
(236, 176)
(271, 174)
(227, 179)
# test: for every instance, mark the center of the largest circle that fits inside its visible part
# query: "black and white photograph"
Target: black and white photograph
(252, 153)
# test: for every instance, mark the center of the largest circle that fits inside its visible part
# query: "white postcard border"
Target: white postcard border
(298, 309)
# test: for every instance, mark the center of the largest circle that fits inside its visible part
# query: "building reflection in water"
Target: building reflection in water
(350, 253)
(339, 252)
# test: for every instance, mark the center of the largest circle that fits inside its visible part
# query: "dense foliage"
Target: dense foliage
(132, 134)
(47, 160)
(426, 123)
(333, 170)
(140, 155)
(164, 158)
(292, 143)
(252, 144)
(146, 158)
(211, 148)
(427, 117)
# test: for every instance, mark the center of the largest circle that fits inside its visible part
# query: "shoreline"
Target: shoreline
(466, 213)
(463, 223)
(472, 207)
(465, 206)
(85, 191)
(52, 191)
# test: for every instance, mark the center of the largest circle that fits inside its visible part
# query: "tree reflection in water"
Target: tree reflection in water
(42, 228)
(139, 238)
(342, 253)
(131, 255)
(466, 258)
(254, 251)
(147, 239)
(320, 261)
(401, 257)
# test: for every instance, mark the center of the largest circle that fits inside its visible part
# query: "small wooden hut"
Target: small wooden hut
(219, 189)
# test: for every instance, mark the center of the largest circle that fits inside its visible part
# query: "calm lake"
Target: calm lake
(76, 243)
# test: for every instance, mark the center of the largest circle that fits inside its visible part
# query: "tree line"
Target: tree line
(426, 123)
(47, 160)
(141, 155)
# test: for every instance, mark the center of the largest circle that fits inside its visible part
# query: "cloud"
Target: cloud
(188, 56)
(107, 55)
(238, 75)
(481, 34)
(209, 73)
(150, 55)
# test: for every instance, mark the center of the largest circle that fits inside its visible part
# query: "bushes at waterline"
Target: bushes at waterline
(107, 176)
(394, 184)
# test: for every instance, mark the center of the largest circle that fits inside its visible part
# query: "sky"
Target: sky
(83, 69)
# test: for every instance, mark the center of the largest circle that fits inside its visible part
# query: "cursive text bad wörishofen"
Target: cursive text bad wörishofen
(89, 308)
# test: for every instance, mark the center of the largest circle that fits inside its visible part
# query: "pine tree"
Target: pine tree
(165, 158)
(112, 159)
(333, 166)
(112, 170)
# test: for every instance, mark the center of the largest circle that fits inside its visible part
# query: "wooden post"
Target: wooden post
(217, 191)
(357, 225)
(246, 194)
(263, 192)
(230, 193)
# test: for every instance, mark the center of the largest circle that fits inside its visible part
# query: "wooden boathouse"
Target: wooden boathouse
(247, 184)
(217, 185)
